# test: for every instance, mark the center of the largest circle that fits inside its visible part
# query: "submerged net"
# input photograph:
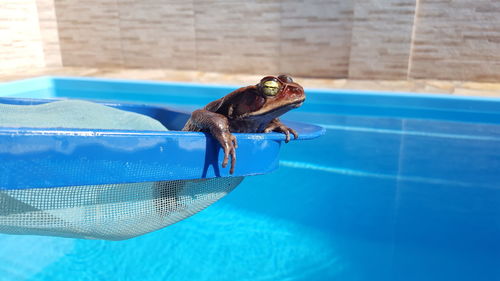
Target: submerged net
(109, 212)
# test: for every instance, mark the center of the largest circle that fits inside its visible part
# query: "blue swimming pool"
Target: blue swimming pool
(401, 187)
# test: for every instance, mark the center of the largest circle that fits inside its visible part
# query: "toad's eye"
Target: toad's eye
(270, 88)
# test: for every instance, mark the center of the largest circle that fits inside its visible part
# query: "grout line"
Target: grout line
(122, 57)
(412, 39)
(42, 39)
(195, 35)
(59, 47)
(348, 69)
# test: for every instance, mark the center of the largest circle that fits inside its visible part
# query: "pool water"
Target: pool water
(377, 198)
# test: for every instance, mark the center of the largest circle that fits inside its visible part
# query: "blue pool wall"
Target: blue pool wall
(344, 102)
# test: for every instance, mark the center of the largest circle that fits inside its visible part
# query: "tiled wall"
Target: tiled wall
(366, 39)
(308, 38)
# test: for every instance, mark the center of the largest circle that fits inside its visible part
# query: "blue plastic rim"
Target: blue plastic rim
(52, 157)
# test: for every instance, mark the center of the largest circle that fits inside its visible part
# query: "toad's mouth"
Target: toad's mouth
(278, 111)
(298, 103)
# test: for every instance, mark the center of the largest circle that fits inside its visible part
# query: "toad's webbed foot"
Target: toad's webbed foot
(229, 144)
(277, 126)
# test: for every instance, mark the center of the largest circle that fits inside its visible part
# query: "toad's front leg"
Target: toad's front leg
(276, 126)
(218, 126)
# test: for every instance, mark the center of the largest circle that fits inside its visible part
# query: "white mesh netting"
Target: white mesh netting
(109, 212)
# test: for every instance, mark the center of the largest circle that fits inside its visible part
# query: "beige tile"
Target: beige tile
(457, 40)
(20, 41)
(381, 39)
(158, 34)
(89, 33)
(49, 33)
(237, 36)
(315, 37)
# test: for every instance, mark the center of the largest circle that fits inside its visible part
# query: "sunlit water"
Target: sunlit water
(336, 209)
